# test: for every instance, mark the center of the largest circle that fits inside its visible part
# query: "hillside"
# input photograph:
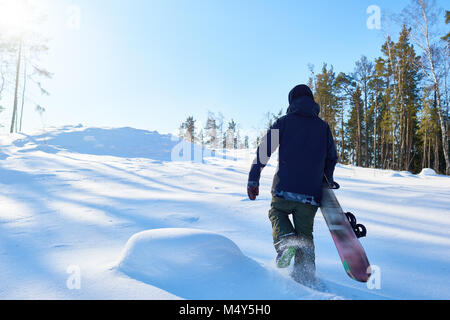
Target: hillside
(71, 199)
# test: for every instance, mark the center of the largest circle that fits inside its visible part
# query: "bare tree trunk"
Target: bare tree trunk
(429, 153)
(444, 132)
(424, 156)
(23, 95)
(383, 157)
(358, 138)
(408, 145)
(366, 120)
(14, 116)
(402, 141)
(375, 135)
(342, 133)
(393, 149)
(436, 153)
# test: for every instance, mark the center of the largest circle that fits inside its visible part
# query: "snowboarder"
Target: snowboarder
(307, 153)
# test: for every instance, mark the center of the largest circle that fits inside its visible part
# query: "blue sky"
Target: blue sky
(150, 64)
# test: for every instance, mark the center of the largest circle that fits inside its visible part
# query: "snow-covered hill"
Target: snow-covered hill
(71, 199)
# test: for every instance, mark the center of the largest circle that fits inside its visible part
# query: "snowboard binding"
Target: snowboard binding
(359, 229)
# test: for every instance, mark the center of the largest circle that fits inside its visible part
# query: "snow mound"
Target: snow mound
(118, 142)
(195, 264)
(427, 172)
(395, 175)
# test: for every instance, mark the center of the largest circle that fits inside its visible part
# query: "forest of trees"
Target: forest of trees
(217, 134)
(20, 65)
(389, 113)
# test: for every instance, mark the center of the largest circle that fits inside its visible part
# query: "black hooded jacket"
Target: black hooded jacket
(306, 153)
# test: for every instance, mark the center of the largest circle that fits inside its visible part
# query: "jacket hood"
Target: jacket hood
(300, 91)
(304, 106)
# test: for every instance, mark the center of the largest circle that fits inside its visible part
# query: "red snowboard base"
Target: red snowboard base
(350, 250)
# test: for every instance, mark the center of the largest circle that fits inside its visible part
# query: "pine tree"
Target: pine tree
(447, 21)
(246, 142)
(201, 137)
(355, 126)
(231, 137)
(188, 130)
(324, 89)
(407, 93)
(362, 75)
(428, 129)
(345, 87)
(211, 131)
(378, 85)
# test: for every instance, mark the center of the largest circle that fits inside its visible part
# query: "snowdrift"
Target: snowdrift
(427, 172)
(118, 142)
(197, 264)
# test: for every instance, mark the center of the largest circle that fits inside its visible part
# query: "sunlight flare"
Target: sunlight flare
(16, 16)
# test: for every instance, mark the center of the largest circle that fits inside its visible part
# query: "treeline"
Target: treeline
(216, 134)
(392, 113)
(389, 113)
(219, 133)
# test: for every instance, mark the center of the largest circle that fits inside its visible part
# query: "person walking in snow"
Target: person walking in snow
(307, 154)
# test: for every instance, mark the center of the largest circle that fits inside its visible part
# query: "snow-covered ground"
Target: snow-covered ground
(71, 199)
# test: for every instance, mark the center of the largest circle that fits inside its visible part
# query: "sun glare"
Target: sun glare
(15, 16)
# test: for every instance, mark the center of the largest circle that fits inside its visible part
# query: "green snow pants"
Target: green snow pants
(299, 235)
(303, 216)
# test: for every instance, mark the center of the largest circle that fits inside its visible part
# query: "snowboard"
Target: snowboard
(343, 230)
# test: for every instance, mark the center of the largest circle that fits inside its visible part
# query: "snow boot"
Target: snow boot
(304, 271)
(284, 257)
(286, 249)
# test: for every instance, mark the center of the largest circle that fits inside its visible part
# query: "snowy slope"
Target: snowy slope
(74, 196)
